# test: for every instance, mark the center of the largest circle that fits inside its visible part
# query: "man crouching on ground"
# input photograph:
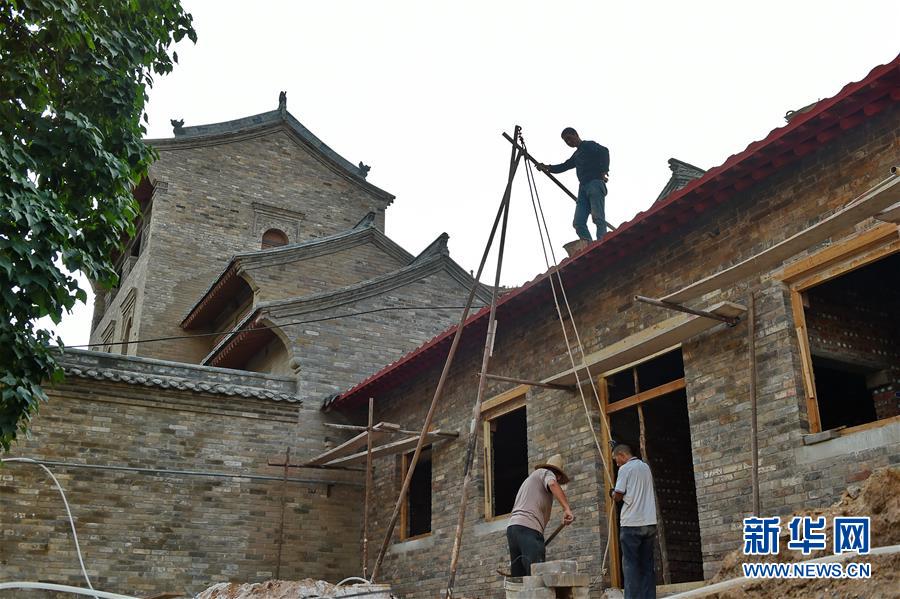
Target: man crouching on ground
(531, 511)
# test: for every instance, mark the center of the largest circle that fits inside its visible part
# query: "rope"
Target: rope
(68, 511)
(543, 229)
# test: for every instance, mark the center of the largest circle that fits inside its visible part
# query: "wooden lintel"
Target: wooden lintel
(869, 204)
(646, 396)
(659, 336)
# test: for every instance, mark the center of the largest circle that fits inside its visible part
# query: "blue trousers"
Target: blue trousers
(591, 201)
(638, 544)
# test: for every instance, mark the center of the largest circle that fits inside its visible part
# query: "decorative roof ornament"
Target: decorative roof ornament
(364, 169)
(282, 101)
(177, 126)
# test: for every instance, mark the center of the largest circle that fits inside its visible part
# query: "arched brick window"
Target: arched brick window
(274, 238)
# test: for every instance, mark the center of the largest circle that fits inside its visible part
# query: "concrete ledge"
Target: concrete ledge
(413, 545)
(491, 527)
(851, 443)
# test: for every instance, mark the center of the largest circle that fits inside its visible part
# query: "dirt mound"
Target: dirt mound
(883, 585)
(289, 589)
(878, 498)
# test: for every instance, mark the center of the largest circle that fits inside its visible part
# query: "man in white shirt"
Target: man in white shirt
(531, 511)
(637, 523)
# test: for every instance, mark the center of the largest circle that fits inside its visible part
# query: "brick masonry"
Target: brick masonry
(207, 207)
(145, 534)
(792, 475)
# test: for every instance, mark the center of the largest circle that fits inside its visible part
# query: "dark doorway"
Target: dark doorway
(418, 506)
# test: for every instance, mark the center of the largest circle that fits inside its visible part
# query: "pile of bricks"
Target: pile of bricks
(555, 580)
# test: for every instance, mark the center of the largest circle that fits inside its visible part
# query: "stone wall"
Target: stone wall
(214, 201)
(148, 533)
(792, 475)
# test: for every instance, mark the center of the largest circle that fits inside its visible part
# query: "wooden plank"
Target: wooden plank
(812, 405)
(842, 268)
(868, 204)
(891, 214)
(346, 448)
(869, 425)
(838, 252)
(383, 450)
(654, 338)
(504, 397)
(487, 446)
(646, 396)
(615, 559)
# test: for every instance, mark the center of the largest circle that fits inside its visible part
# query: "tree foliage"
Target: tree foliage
(74, 76)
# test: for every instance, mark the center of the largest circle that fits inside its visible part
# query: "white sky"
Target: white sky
(422, 90)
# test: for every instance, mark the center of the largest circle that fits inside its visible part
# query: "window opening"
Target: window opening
(417, 520)
(274, 238)
(854, 345)
(509, 464)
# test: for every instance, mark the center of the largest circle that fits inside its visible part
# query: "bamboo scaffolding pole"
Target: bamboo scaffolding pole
(287, 461)
(754, 425)
(472, 441)
(439, 390)
(365, 539)
(390, 428)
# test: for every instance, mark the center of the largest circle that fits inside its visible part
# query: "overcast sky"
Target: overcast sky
(421, 91)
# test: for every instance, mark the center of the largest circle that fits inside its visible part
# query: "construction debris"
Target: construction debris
(294, 589)
(557, 579)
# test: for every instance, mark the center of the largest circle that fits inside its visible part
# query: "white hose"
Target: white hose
(63, 588)
(68, 511)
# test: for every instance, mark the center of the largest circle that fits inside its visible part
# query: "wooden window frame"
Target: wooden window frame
(492, 409)
(857, 251)
(404, 507)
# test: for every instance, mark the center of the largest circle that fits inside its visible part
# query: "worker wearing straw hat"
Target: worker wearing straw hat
(531, 512)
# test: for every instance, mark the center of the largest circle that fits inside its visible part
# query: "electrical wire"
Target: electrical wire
(68, 511)
(268, 327)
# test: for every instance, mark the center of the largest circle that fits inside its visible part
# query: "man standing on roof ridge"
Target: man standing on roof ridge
(591, 163)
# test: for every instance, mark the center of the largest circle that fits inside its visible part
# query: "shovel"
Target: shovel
(547, 542)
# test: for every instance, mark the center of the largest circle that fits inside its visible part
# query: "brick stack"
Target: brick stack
(555, 580)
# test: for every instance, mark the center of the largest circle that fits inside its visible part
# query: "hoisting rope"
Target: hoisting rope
(553, 269)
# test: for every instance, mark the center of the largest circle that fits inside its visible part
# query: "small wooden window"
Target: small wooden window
(274, 238)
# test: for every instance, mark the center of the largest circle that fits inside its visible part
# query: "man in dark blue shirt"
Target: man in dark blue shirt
(591, 163)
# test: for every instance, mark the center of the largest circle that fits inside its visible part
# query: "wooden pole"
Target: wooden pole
(365, 539)
(550, 175)
(510, 379)
(472, 441)
(287, 462)
(730, 321)
(754, 425)
(439, 390)
(660, 527)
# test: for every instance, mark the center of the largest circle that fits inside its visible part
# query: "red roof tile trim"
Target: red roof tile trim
(805, 132)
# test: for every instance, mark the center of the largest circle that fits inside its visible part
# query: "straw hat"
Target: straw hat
(555, 463)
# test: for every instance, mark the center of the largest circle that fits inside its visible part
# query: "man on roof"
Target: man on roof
(591, 164)
(531, 511)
